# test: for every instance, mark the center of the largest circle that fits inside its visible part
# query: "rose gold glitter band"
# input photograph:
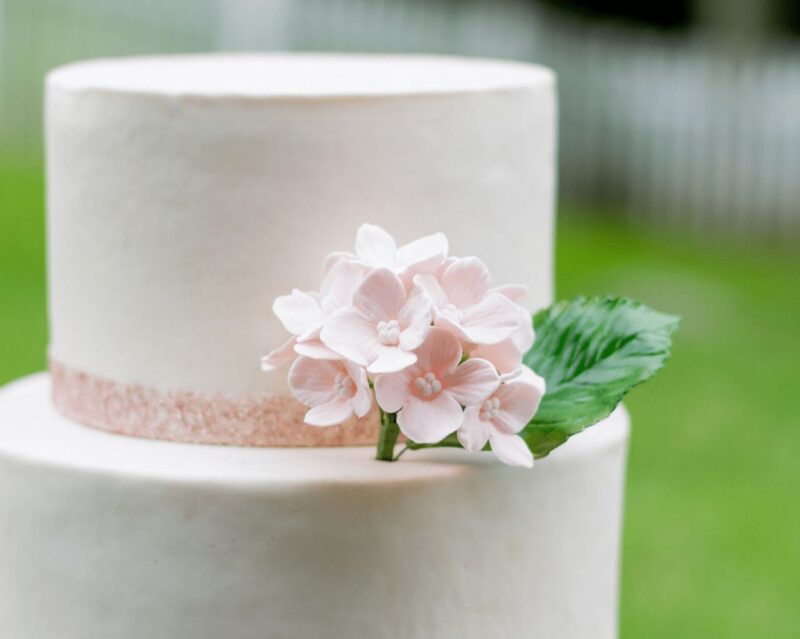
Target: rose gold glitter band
(185, 416)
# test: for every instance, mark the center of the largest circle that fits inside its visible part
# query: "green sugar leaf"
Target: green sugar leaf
(591, 352)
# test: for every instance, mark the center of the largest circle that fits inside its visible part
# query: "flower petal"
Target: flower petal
(413, 337)
(391, 360)
(375, 246)
(340, 283)
(391, 391)
(431, 248)
(352, 335)
(524, 336)
(380, 296)
(445, 322)
(444, 266)
(518, 403)
(329, 414)
(299, 312)
(430, 421)
(527, 376)
(504, 356)
(507, 377)
(472, 381)
(332, 259)
(515, 292)
(492, 320)
(420, 268)
(281, 355)
(311, 335)
(315, 349)
(439, 353)
(474, 432)
(427, 283)
(415, 321)
(362, 400)
(312, 380)
(511, 449)
(466, 282)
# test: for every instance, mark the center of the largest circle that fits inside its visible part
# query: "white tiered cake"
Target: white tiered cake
(184, 195)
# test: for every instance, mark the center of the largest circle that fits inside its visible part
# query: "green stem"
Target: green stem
(388, 437)
(451, 441)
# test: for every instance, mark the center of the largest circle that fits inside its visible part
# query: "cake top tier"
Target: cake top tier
(186, 193)
(296, 75)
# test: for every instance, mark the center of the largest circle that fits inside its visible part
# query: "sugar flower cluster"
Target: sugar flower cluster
(425, 332)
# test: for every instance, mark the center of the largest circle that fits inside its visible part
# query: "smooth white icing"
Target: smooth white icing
(185, 194)
(106, 536)
(298, 75)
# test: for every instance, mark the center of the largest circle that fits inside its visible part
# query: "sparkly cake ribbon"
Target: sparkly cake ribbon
(186, 416)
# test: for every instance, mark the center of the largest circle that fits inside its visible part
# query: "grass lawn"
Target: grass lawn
(23, 319)
(712, 534)
(712, 530)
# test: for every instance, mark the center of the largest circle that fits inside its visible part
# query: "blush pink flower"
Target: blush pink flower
(428, 396)
(501, 416)
(464, 305)
(304, 314)
(335, 390)
(276, 358)
(376, 248)
(524, 336)
(507, 354)
(382, 327)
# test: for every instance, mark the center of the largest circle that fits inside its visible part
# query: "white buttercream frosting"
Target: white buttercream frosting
(298, 75)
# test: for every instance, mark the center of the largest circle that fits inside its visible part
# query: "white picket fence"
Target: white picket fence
(678, 131)
(664, 127)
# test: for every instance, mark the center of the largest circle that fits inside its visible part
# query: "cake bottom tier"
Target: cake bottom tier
(109, 537)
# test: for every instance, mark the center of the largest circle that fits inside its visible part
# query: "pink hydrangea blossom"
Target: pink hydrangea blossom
(428, 396)
(515, 292)
(507, 354)
(382, 327)
(524, 336)
(376, 248)
(304, 314)
(405, 316)
(335, 390)
(501, 416)
(464, 305)
(276, 358)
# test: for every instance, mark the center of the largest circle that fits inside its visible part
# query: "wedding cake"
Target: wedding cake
(157, 483)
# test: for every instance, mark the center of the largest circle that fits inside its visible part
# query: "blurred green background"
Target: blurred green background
(712, 531)
(679, 134)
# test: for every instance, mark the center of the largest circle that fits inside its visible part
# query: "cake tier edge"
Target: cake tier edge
(31, 430)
